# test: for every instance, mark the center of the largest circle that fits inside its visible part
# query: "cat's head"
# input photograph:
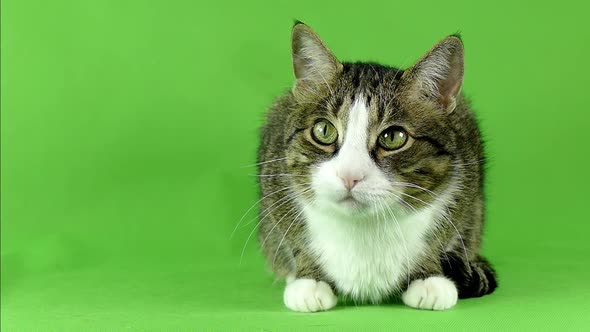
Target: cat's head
(363, 135)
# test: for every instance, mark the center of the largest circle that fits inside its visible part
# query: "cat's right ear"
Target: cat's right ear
(315, 67)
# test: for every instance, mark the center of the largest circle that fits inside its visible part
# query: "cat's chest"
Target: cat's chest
(368, 259)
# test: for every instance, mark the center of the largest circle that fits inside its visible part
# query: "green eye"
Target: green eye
(393, 138)
(324, 132)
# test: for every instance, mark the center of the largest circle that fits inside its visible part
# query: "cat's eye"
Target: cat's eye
(393, 138)
(324, 132)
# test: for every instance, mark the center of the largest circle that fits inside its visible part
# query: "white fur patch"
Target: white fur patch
(353, 161)
(368, 258)
(308, 295)
(367, 254)
(434, 293)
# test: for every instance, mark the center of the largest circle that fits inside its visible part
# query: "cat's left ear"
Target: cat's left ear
(438, 76)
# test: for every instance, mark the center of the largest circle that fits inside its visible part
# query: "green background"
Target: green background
(128, 128)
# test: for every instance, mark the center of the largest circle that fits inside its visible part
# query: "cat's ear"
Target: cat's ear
(314, 65)
(438, 76)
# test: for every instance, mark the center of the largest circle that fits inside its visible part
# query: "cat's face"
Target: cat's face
(365, 136)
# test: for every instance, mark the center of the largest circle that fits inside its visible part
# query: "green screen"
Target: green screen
(129, 129)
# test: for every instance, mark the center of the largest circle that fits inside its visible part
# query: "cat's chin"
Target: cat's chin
(375, 208)
(347, 207)
(350, 204)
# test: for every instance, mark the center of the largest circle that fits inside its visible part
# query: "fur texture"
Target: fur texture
(357, 216)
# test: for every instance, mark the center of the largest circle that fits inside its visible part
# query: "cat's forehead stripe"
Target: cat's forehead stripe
(357, 125)
(358, 114)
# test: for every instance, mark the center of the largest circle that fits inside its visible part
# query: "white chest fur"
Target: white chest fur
(369, 259)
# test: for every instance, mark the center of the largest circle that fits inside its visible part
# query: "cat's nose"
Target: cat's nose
(350, 181)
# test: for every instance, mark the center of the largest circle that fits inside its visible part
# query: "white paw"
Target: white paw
(434, 293)
(308, 295)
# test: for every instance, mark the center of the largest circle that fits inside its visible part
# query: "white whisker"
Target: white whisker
(287, 231)
(254, 205)
(284, 199)
(289, 199)
(401, 235)
(412, 185)
(264, 162)
(446, 218)
(271, 175)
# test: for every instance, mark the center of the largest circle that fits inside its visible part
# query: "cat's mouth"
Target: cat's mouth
(350, 202)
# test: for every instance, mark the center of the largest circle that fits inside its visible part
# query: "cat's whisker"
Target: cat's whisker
(442, 249)
(407, 204)
(401, 235)
(256, 204)
(289, 194)
(294, 208)
(375, 71)
(400, 199)
(446, 218)
(287, 231)
(271, 175)
(264, 162)
(284, 199)
(413, 185)
(290, 198)
(475, 162)
(278, 222)
(403, 64)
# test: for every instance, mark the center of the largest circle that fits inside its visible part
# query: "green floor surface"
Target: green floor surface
(216, 296)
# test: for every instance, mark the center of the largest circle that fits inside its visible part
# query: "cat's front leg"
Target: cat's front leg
(308, 295)
(431, 290)
(307, 290)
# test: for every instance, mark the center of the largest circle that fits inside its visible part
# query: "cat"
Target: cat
(372, 182)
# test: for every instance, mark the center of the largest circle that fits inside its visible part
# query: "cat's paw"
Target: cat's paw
(308, 295)
(433, 293)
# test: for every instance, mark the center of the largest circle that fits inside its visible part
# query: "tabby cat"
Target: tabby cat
(372, 182)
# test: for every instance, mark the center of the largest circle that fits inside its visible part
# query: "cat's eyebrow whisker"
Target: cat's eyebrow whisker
(323, 78)
(403, 64)
(264, 162)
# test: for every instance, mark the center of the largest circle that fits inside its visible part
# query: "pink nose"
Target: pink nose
(351, 181)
